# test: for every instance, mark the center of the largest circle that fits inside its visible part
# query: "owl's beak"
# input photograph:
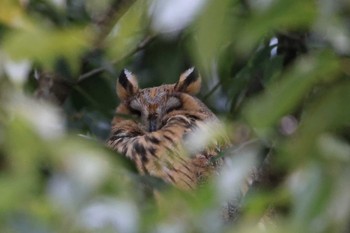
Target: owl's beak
(152, 124)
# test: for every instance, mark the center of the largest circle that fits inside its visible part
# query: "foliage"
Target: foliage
(277, 71)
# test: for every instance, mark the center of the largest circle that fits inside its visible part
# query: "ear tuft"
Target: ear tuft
(189, 82)
(126, 85)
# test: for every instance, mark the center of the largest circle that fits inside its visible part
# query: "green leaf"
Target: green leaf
(311, 195)
(283, 96)
(46, 46)
(212, 32)
(330, 113)
(11, 14)
(286, 14)
(127, 32)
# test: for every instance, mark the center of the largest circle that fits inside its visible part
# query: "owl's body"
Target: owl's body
(162, 118)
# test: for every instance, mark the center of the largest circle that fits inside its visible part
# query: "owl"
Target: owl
(151, 126)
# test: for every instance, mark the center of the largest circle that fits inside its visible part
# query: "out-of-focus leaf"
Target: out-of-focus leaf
(12, 14)
(280, 14)
(23, 149)
(46, 46)
(328, 114)
(338, 211)
(310, 188)
(212, 31)
(333, 149)
(283, 96)
(127, 32)
(96, 8)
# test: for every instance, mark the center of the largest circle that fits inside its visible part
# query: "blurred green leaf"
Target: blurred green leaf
(328, 114)
(47, 46)
(311, 196)
(282, 97)
(286, 14)
(24, 153)
(12, 14)
(127, 32)
(213, 30)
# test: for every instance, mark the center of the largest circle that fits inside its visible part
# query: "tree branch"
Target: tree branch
(141, 45)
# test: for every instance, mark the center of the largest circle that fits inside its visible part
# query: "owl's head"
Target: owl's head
(152, 104)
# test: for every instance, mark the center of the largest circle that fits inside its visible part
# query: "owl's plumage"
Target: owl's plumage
(161, 119)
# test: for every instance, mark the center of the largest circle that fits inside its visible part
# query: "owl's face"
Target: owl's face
(152, 104)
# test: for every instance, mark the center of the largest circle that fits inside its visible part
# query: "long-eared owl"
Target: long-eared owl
(151, 125)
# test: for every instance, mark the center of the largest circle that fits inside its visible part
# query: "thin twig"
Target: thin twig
(216, 86)
(141, 45)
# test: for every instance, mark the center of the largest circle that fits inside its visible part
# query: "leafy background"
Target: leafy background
(276, 71)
